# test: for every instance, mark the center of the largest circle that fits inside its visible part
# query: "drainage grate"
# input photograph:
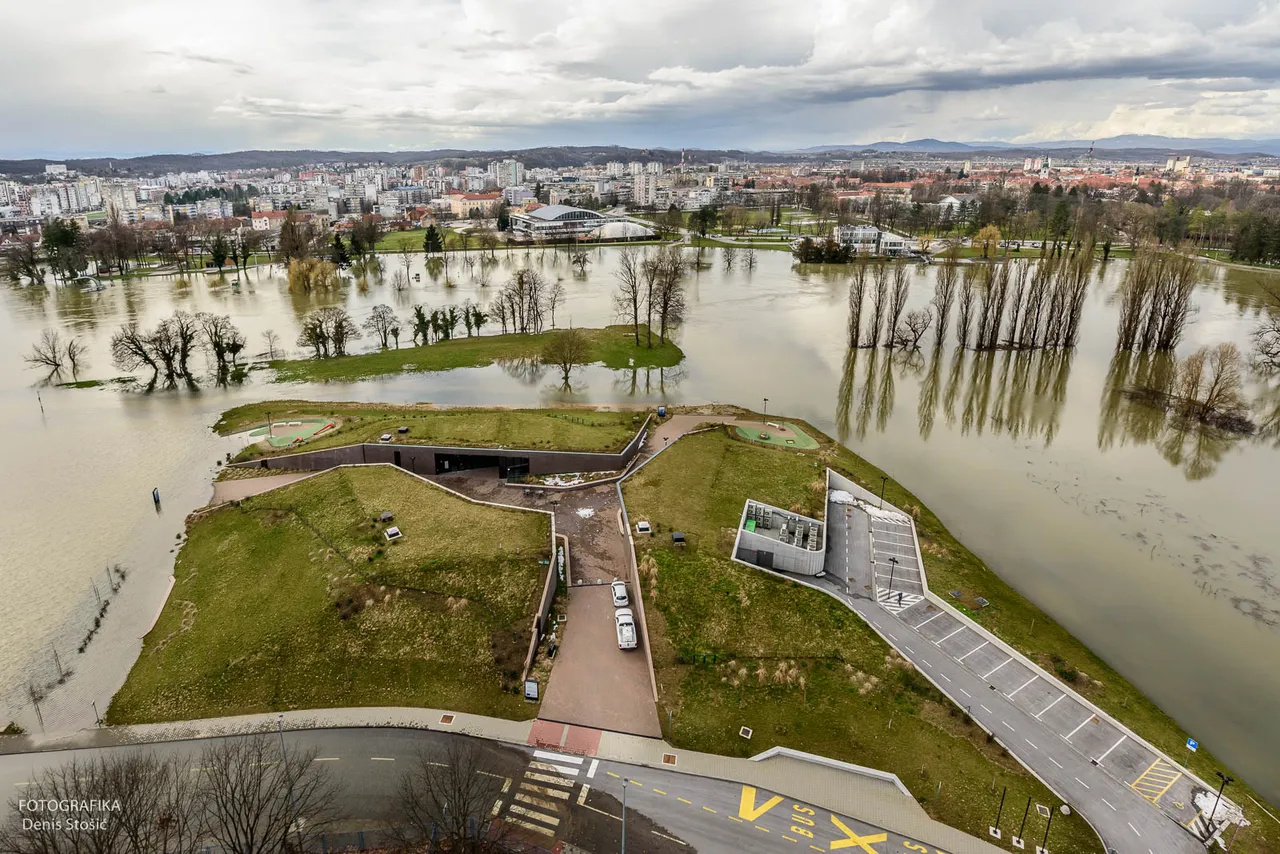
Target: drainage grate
(446, 719)
(669, 759)
(745, 732)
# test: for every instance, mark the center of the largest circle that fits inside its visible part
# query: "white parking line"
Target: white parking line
(1055, 762)
(325, 759)
(972, 651)
(966, 693)
(1077, 729)
(1111, 748)
(591, 772)
(931, 619)
(987, 675)
(383, 758)
(948, 637)
(558, 757)
(1050, 706)
(891, 635)
(1082, 782)
(1006, 723)
(1030, 742)
(909, 650)
(945, 676)
(1023, 685)
(985, 709)
(1108, 803)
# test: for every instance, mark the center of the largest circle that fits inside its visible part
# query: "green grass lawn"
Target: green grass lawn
(562, 429)
(710, 606)
(294, 600)
(613, 346)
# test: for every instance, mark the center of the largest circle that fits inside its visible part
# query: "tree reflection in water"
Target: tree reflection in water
(633, 381)
(1197, 449)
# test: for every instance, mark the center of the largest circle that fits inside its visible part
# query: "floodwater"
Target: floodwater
(1154, 546)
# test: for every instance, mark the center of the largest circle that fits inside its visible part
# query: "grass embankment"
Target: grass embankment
(294, 600)
(561, 429)
(735, 647)
(711, 605)
(613, 346)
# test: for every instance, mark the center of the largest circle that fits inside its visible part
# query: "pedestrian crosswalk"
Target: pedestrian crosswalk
(540, 800)
(895, 601)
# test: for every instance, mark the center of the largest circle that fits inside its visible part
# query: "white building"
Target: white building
(557, 222)
(653, 167)
(517, 196)
(869, 240)
(506, 173)
(615, 169)
(644, 189)
(55, 169)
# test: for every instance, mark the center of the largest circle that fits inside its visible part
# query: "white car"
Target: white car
(620, 599)
(626, 628)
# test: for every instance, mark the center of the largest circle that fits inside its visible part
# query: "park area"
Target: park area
(532, 429)
(613, 346)
(737, 647)
(781, 434)
(295, 599)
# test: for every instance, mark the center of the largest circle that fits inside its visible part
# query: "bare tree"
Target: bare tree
(262, 799)
(129, 349)
(185, 330)
(447, 798)
(580, 259)
(898, 301)
(380, 323)
(965, 316)
(944, 293)
(522, 301)
(630, 295)
(272, 340)
(220, 337)
(21, 260)
(49, 352)
(161, 803)
(1266, 337)
(567, 350)
(75, 352)
(857, 290)
(668, 295)
(877, 305)
(554, 296)
(908, 333)
(1210, 382)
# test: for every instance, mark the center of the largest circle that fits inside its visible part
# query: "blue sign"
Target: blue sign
(1192, 744)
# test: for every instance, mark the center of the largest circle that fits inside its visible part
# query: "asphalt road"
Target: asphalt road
(1127, 822)
(551, 796)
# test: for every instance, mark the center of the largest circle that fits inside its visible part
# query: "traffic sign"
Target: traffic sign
(1193, 745)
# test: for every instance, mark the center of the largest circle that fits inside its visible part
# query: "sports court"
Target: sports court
(784, 434)
(282, 434)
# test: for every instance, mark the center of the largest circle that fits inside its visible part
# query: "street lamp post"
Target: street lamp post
(764, 419)
(893, 568)
(1044, 843)
(284, 758)
(270, 427)
(1212, 815)
(624, 817)
(883, 480)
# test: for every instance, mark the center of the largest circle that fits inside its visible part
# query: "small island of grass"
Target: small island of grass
(613, 347)
(294, 599)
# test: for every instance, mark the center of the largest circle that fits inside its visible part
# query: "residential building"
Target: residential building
(507, 173)
(954, 207)
(644, 189)
(869, 240)
(517, 196)
(464, 205)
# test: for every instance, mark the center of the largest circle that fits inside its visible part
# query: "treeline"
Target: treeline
(166, 349)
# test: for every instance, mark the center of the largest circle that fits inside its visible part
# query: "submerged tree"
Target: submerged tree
(944, 293)
(566, 350)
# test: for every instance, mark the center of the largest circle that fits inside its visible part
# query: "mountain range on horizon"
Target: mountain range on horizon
(1123, 142)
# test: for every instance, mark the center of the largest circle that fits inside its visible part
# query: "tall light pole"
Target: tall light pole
(893, 568)
(284, 757)
(765, 417)
(1225, 780)
(624, 816)
(884, 478)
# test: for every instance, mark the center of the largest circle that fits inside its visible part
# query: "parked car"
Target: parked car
(626, 628)
(620, 599)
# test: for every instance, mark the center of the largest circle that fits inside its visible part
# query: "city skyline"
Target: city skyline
(495, 74)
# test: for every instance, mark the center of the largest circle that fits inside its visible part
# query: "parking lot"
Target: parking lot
(1162, 784)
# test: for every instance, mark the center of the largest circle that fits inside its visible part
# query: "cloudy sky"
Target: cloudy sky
(86, 77)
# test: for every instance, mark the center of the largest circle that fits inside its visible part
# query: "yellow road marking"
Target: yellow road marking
(709, 809)
(761, 829)
(660, 792)
(734, 818)
(816, 848)
(683, 801)
(1154, 782)
(852, 839)
(636, 783)
(789, 839)
(747, 804)
(615, 776)
(531, 826)
(1195, 818)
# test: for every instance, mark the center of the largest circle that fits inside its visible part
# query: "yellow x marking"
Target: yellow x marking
(854, 840)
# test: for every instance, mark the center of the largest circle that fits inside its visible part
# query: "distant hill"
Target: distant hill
(1126, 142)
